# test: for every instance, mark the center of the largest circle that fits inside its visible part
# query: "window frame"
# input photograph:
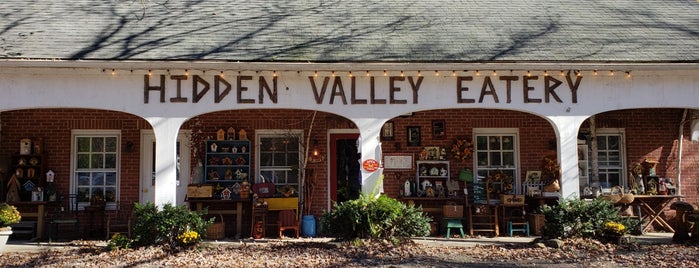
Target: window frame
(514, 133)
(621, 133)
(81, 133)
(275, 133)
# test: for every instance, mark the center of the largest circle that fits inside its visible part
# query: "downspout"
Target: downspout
(678, 188)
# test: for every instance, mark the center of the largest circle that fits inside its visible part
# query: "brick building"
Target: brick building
(598, 88)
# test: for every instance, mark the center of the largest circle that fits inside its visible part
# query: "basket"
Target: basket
(216, 230)
(615, 195)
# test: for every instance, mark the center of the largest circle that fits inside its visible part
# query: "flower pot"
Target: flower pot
(5, 233)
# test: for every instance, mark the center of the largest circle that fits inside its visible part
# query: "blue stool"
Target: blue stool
(518, 227)
(454, 223)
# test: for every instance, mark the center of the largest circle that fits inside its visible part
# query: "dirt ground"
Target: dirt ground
(573, 253)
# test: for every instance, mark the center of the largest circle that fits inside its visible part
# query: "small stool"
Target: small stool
(454, 223)
(518, 227)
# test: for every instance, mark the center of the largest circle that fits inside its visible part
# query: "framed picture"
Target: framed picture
(533, 176)
(387, 131)
(439, 131)
(414, 136)
(432, 153)
(402, 161)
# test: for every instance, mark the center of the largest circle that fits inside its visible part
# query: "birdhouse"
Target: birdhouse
(242, 135)
(50, 175)
(226, 194)
(220, 134)
(25, 146)
(231, 133)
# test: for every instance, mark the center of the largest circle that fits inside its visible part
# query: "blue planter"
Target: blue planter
(308, 226)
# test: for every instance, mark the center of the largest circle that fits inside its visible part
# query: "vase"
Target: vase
(5, 233)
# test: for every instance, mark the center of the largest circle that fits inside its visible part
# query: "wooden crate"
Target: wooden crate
(453, 211)
(200, 191)
(536, 223)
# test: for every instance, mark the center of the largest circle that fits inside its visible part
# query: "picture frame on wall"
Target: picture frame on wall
(413, 136)
(387, 131)
(533, 176)
(439, 130)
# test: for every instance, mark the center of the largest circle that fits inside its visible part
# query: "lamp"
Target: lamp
(316, 156)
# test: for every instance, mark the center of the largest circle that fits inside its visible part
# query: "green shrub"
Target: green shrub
(164, 227)
(375, 218)
(119, 241)
(582, 218)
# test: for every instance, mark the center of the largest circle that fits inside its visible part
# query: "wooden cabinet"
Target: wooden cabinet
(227, 163)
(434, 174)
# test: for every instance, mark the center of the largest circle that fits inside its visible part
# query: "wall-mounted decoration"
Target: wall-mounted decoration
(414, 136)
(387, 131)
(439, 130)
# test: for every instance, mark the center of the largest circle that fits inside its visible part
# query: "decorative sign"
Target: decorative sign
(370, 165)
(398, 161)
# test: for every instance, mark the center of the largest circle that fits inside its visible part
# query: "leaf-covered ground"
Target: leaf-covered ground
(573, 253)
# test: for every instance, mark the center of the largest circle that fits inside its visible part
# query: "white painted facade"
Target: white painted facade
(27, 85)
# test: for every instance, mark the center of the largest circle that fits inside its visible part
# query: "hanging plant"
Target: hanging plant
(462, 149)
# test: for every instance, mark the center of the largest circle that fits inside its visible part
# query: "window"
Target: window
(278, 156)
(610, 154)
(495, 152)
(95, 166)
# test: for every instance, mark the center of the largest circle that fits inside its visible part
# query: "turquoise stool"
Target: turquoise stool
(454, 223)
(518, 227)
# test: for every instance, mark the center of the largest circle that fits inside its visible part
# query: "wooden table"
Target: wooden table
(651, 207)
(199, 205)
(33, 209)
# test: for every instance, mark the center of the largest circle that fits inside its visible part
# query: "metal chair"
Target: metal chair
(66, 213)
(120, 220)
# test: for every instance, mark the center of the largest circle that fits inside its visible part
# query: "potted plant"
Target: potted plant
(8, 215)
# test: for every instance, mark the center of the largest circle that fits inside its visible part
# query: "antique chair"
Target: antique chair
(64, 214)
(288, 221)
(120, 220)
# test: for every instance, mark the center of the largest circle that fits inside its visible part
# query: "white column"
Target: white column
(566, 128)
(370, 147)
(166, 130)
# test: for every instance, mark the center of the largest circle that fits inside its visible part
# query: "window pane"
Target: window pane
(97, 179)
(601, 143)
(508, 143)
(97, 161)
(97, 144)
(110, 161)
(495, 159)
(508, 159)
(494, 143)
(83, 145)
(265, 159)
(97, 191)
(83, 161)
(83, 179)
(482, 159)
(482, 142)
(110, 194)
(110, 144)
(111, 178)
(83, 194)
(613, 143)
(279, 160)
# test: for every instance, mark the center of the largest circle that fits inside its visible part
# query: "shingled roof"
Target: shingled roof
(352, 31)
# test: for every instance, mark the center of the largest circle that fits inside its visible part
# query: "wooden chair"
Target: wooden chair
(66, 213)
(288, 221)
(119, 221)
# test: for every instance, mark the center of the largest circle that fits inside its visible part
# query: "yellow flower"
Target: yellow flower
(188, 237)
(9, 215)
(614, 228)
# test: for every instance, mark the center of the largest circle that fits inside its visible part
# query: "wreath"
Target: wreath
(462, 149)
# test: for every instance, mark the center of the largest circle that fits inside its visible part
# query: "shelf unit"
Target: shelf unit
(583, 165)
(227, 162)
(434, 172)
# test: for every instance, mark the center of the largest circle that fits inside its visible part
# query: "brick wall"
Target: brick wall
(650, 133)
